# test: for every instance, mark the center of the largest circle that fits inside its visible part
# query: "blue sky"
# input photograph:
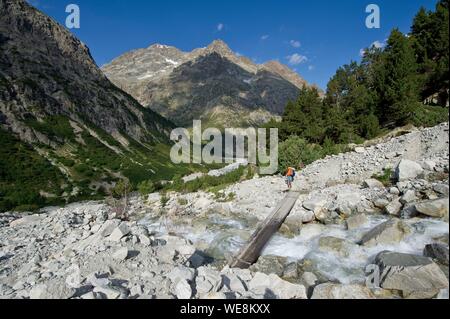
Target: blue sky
(312, 37)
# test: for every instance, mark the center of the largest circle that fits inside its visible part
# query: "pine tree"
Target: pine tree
(396, 81)
(429, 35)
(303, 117)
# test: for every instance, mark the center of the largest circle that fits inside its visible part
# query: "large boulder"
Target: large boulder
(338, 291)
(392, 231)
(407, 170)
(434, 208)
(415, 276)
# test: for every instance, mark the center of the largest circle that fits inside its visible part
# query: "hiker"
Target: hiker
(290, 175)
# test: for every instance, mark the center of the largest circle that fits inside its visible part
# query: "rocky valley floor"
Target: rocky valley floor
(344, 221)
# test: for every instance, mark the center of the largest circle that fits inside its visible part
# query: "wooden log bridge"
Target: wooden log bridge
(252, 250)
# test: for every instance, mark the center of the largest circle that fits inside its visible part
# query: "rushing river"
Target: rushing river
(221, 237)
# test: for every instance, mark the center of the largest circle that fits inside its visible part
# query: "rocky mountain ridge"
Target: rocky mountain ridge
(211, 83)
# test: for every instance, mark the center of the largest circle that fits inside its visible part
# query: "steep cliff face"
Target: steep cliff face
(213, 84)
(45, 70)
(66, 131)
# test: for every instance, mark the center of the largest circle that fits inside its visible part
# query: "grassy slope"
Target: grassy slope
(91, 167)
(24, 174)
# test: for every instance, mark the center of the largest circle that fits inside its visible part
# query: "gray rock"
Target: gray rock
(97, 280)
(392, 231)
(145, 240)
(290, 271)
(381, 203)
(74, 279)
(121, 254)
(181, 273)
(119, 232)
(415, 276)
(394, 191)
(335, 245)
(338, 291)
(108, 227)
(308, 217)
(394, 207)
(27, 220)
(434, 208)
(429, 165)
(373, 184)
(108, 292)
(294, 222)
(214, 296)
(234, 283)
(322, 214)
(356, 221)
(183, 290)
(285, 290)
(207, 280)
(269, 265)
(272, 287)
(309, 279)
(407, 170)
(408, 197)
(314, 203)
(437, 251)
(38, 292)
(441, 189)
(259, 282)
(54, 289)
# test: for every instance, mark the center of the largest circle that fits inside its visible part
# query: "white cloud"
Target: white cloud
(220, 27)
(295, 43)
(362, 52)
(296, 59)
(264, 37)
(378, 44)
(311, 67)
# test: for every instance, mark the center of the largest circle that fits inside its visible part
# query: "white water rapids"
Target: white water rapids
(222, 237)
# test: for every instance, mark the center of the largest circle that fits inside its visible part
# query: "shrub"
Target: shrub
(122, 189)
(146, 187)
(430, 115)
(296, 150)
(164, 200)
(385, 178)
